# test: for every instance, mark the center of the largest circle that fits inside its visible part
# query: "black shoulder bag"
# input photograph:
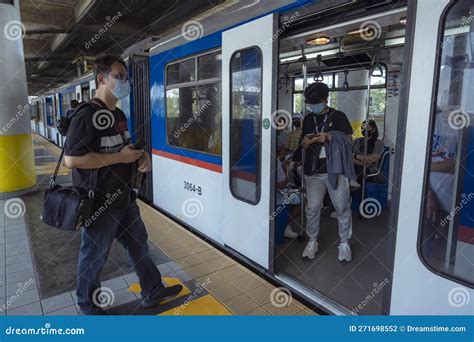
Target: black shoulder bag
(68, 207)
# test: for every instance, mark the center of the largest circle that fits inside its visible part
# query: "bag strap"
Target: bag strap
(93, 184)
(56, 170)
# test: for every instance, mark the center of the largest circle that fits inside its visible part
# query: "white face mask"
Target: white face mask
(317, 108)
(122, 89)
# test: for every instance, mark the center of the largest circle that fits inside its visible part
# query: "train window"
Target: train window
(349, 94)
(245, 124)
(209, 66)
(181, 72)
(446, 241)
(193, 105)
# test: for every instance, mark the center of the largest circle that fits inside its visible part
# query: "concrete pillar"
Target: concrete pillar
(17, 167)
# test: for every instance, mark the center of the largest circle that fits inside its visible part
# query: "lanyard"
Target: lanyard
(323, 125)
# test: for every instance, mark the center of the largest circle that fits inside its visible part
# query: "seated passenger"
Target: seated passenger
(287, 201)
(294, 137)
(375, 148)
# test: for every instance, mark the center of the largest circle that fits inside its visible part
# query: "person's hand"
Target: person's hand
(372, 158)
(432, 206)
(144, 163)
(322, 137)
(129, 155)
(306, 142)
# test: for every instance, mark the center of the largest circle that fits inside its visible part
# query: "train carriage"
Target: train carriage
(211, 99)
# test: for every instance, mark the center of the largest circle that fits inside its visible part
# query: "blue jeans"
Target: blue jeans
(127, 227)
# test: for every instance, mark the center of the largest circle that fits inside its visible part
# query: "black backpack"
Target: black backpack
(65, 121)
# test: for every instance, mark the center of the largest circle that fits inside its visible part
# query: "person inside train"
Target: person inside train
(375, 148)
(441, 189)
(293, 138)
(320, 126)
(287, 200)
(102, 158)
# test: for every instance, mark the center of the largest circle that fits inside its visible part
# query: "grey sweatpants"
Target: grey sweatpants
(316, 187)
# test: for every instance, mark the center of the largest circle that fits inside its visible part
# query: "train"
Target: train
(215, 98)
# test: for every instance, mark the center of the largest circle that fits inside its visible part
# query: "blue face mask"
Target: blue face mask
(122, 89)
(317, 108)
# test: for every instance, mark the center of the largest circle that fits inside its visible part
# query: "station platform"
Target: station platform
(38, 265)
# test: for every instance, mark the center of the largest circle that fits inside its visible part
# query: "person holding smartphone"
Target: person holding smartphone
(317, 127)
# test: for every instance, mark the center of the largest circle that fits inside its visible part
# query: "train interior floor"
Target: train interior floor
(348, 283)
(38, 265)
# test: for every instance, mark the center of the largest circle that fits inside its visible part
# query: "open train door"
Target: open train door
(248, 101)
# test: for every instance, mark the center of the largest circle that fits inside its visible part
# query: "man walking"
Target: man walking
(98, 151)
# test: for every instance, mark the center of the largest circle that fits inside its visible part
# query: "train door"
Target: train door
(141, 112)
(247, 80)
(433, 271)
(359, 59)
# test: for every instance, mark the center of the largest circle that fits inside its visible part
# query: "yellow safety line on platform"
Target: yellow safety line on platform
(135, 287)
(202, 306)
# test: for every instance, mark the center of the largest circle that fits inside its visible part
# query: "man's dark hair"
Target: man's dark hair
(316, 93)
(74, 103)
(102, 65)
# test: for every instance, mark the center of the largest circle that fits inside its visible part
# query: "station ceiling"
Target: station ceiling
(62, 35)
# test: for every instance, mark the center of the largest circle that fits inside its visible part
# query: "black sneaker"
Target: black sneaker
(167, 293)
(93, 311)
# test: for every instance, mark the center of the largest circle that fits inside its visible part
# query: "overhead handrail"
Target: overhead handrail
(345, 84)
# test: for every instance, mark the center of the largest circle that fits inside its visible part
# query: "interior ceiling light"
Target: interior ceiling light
(321, 40)
(403, 20)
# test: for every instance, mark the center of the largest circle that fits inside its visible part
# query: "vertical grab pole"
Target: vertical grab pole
(364, 167)
(303, 107)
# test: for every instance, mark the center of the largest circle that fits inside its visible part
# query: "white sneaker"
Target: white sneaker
(354, 183)
(289, 233)
(333, 215)
(345, 252)
(310, 250)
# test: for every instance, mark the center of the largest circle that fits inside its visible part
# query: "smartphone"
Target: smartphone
(139, 145)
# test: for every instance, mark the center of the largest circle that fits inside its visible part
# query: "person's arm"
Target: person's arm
(144, 163)
(83, 140)
(92, 160)
(282, 179)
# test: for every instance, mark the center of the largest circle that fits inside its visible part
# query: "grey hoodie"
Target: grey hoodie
(339, 157)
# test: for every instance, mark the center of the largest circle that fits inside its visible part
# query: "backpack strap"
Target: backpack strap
(92, 184)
